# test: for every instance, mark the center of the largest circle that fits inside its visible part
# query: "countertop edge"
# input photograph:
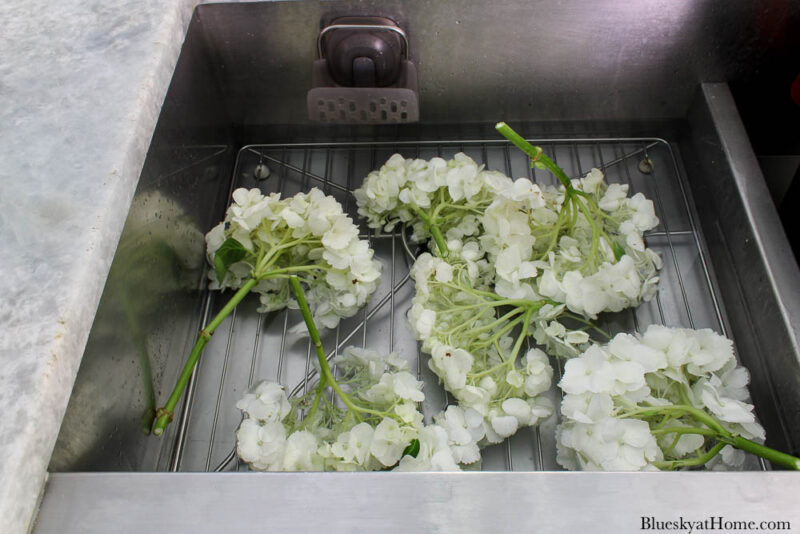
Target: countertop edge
(28, 452)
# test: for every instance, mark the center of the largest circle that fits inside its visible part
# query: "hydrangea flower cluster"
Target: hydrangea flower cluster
(370, 434)
(667, 399)
(581, 245)
(375, 425)
(307, 234)
(262, 243)
(472, 348)
(487, 229)
(431, 196)
(517, 258)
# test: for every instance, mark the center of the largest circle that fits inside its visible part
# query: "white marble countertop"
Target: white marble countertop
(81, 87)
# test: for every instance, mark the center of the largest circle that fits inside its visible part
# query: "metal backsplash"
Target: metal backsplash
(518, 60)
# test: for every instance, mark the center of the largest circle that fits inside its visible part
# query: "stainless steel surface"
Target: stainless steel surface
(759, 277)
(486, 61)
(572, 70)
(627, 72)
(250, 345)
(413, 502)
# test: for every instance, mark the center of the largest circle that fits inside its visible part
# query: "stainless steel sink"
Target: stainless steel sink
(591, 96)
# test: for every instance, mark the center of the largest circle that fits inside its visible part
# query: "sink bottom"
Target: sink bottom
(249, 347)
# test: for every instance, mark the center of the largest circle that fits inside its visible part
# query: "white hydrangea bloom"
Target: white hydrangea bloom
(538, 372)
(598, 371)
(504, 425)
(273, 437)
(388, 442)
(353, 447)
(567, 268)
(385, 194)
(455, 189)
(725, 408)
(323, 235)
(262, 446)
(301, 452)
(267, 402)
(465, 429)
(623, 404)
(398, 385)
(435, 453)
(451, 365)
(480, 382)
(680, 445)
(505, 238)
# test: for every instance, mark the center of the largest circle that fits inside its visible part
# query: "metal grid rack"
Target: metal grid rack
(250, 347)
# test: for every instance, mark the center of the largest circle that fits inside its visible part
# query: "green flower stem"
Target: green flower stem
(776, 457)
(440, 241)
(434, 229)
(475, 377)
(691, 462)
(679, 430)
(263, 270)
(275, 251)
(471, 209)
(665, 420)
(683, 389)
(717, 431)
(473, 332)
(165, 413)
(441, 205)
(296, 269)
(268, 258)
(597, 232)
(472, 291)
(534, 152)
(319, 394)
(571, 196)
(514, 351)
(495, 304)
(497, 335)
(325, 371)
(698, 414)
(518, 345)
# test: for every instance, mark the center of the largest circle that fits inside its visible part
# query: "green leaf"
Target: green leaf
(618, 250)
(539, 165)
(412, 449)
(227, 254)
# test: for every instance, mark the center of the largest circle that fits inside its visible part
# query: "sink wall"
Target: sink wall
(149, 309)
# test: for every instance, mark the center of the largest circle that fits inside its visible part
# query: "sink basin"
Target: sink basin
(237, 100)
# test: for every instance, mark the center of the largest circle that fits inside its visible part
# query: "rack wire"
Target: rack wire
(250, 347)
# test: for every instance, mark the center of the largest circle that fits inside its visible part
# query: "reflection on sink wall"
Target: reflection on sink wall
(149, 308)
